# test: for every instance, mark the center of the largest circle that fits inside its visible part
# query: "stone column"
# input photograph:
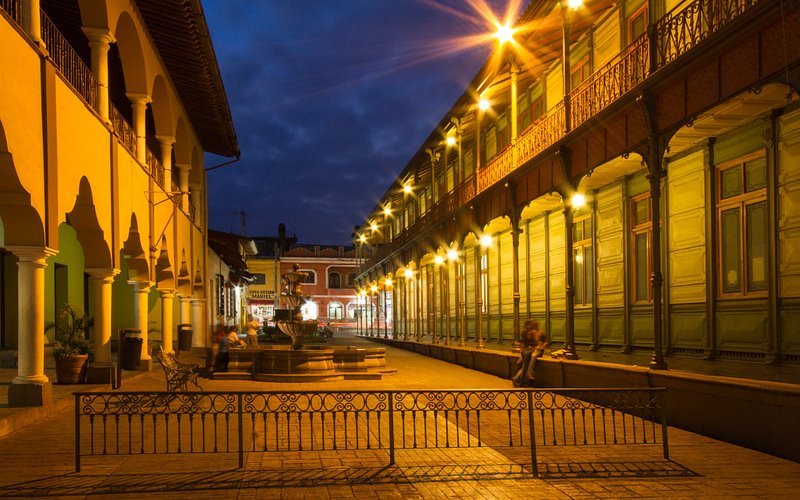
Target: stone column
(30, 387)
(99, 40)
(167, 296)
(515, 230)
(565, 62)
(139, 107)
(479, 344)
(569, 278)
(32, 21)
(514, 104)
(656, 279)
(166, 142)
(141, 293)
(198, 331)
(186, 309)
(183, 184)
(100, 288)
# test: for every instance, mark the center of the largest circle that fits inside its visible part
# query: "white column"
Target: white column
(167, 297)
(99, 40)
(100, 287)
(31, 20)
(166, 142)
(183, 184)
(141, 292)
(198, 332)
(30, 348)
(186, 308)
(139, 107)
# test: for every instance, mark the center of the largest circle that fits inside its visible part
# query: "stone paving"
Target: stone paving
(38, 460)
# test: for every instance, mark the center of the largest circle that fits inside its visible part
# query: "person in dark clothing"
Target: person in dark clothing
(534, 342)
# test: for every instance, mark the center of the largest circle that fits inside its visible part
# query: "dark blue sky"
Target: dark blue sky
(330, 98)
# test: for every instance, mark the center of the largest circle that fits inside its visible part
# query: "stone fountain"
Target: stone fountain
(297, 328)
(299, 362)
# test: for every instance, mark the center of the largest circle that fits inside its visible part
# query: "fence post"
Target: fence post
(531, 428)
(77, 434)
(391, 427)
(664, 439)
(241, 431)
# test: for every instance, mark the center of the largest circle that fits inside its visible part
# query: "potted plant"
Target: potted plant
(71, 348)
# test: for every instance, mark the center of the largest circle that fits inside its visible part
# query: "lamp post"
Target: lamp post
(570, 205)
(485, 242)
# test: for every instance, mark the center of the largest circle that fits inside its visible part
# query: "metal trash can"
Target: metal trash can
(130, 348)
(184, 337)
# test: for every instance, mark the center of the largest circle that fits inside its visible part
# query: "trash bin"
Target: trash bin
(131, 349)
(184, 337)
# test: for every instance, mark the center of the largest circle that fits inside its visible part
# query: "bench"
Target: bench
(178, 374)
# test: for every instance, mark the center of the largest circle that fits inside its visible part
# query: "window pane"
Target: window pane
(757, 246)
(578, 273)
(589, 266)
(577, 233)
(642, 211)
(638, 26)
(587, 228)
(731, 251)
(641, 277)
(731, 182)
(755, 174)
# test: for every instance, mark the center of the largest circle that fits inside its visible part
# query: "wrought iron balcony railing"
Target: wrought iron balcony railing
(69, 63)
(156, 168)
(123, 130)
(13, 8)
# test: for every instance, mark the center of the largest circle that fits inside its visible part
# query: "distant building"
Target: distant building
(228, 277)
(330, 285)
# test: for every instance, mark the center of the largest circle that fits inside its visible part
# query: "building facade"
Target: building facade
(626, 173)
(106, 110)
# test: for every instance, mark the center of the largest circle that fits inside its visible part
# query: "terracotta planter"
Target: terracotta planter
(71, 369)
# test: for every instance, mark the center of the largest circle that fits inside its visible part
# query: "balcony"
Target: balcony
(670, 38)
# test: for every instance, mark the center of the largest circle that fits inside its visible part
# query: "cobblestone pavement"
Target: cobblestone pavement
(38, 460)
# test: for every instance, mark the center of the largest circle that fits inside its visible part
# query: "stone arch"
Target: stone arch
(497, 225)
(610, 172)
(543, 204)
(163, 109)
(83, 218)
(22, 225)
(184, 277)
(184, 151)
(134, 253)
(131, 53)
(197, 283)
(165, 274)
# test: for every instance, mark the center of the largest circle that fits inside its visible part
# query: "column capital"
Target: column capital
(165, 139)
(107, 275)
(98, 36)
(183, 168)
(141, 286)
(166, 293)
(32, 256)
(136, 98)
(196, 301)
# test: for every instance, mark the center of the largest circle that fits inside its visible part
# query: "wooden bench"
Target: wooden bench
(178, 374)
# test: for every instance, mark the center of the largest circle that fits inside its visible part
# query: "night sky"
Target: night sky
(330, 99)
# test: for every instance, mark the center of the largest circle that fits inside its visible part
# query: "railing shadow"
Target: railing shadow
(233, 479)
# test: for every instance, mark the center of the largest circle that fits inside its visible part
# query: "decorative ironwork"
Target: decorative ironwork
(467, 191)
(115, 423)
(13, 8)
(619, 76)
(497, 168)
(123, 130)
(689, 23)
(68, 62)
(541, 134)
(156, 168)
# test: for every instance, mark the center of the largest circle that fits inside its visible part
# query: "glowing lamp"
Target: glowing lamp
(505, 33)
(578, 200)
(574, 4)
(409, 274)
(388, 281)
(452, 254)
(451, 141)
(407, 188)
(484, 104)
(387, 211)
(374, 227)
(374, 288)
(486, 241)
(438, 260)
(362, 238)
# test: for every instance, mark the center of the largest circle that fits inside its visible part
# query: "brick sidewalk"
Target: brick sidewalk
(39, 460)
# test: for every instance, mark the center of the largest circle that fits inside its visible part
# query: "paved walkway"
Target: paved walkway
(38, 461)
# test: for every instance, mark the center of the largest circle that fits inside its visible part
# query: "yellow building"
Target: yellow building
(106, 110)
(626, 173)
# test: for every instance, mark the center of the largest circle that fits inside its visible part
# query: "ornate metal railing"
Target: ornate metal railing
(620, 75)
(13, 8)
(541, 134)
(68, 62)
(689, 23)
(123, 130)
(155, 167)
(519, 421)
(467, 191)
(498, 167)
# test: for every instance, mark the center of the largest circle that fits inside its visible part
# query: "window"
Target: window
(335, 310)
(641, 242)
(310, 278)
(351, 279)
(637, 23)
(742, 226)
(334, 280)
(485, 282)
(259, 279)
(579, 73)
(583, 269)
(537, 108)
(220, 295)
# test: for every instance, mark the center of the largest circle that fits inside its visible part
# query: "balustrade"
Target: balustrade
(13, 8)
(155, 167)
(123, 130)
(69, 63)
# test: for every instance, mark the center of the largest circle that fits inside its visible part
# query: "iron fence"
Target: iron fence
(123, 130)
(513, 422)
(68, 62)
(13, 8)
